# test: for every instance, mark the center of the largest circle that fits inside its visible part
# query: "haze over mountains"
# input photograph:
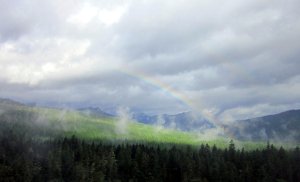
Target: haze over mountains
(185, 121)
(284, 126)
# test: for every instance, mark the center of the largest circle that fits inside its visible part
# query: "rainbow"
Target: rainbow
(183, 98)
(180, 96)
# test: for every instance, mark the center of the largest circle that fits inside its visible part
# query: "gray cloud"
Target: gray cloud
(235, 58)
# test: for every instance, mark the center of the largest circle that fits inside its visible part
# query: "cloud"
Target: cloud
(258, 110)
(235, 58)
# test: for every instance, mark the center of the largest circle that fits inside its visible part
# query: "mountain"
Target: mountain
(4, 102)
(186, 121)
(284, 126)
(45, 123)
(94, 111)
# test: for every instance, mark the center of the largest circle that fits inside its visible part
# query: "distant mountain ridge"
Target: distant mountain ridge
(95, 111)
(186, 121)
(283, 126)
(5, 101)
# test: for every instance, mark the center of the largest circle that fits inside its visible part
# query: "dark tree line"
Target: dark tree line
(71, 159)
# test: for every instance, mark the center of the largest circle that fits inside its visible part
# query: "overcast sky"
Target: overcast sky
(231, 59)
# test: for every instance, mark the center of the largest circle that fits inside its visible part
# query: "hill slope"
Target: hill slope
(284, 126)
(49, 122)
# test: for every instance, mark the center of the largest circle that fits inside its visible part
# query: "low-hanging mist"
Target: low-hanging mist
(124, 118)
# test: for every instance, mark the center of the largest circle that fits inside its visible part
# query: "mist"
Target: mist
(124, 118)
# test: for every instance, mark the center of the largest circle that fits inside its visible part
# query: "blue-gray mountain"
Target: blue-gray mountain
(9, 103)
(95, 111)
(284, 126)
(186, 121)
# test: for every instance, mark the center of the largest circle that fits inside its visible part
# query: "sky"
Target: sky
(227, 60)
